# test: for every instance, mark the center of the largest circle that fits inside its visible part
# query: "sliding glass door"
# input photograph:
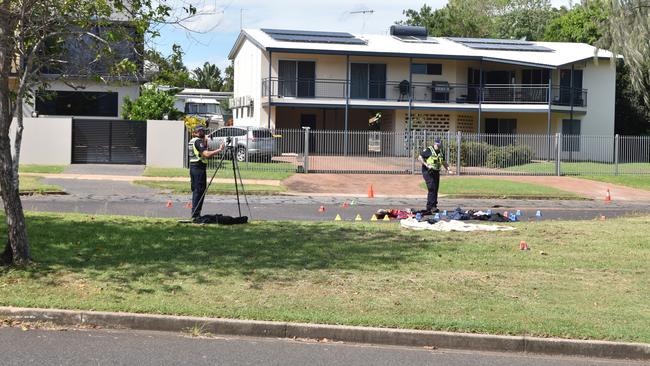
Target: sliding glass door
(297, 79)
(367, 81)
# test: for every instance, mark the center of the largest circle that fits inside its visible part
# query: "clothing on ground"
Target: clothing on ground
(453, 225)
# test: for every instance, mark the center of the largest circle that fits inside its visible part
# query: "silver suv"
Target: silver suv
(256, 142)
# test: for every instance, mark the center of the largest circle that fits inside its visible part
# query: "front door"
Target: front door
(367, 81)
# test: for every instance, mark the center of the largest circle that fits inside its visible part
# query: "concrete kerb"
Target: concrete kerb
(386, 336)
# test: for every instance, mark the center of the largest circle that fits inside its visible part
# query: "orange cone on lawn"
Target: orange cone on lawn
(523, 245)
(371, 193)
(189, 205)
(169, 204)
(345, 204)
(321, 208)
(608, 196)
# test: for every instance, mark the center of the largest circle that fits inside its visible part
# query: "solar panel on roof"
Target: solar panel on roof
(307, 33)
(500, 44)
(312, 36)
(414, 39)
(489, 41)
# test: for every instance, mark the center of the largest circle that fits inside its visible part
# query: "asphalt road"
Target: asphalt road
(123, 347)
(307, 208)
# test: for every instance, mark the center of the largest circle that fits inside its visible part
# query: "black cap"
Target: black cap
(437, 140)
(199, 128)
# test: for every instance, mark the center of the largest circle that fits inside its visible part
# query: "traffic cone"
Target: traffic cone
(358, 218)
(386, 218)
(321, 208)
(169, 204)
(337, 218)
(523, 245)
(189, 205)
(602, 217)
(505, 214)
(371, 193)
(373, 218)
(345, 204)
(538, 214)
(608, 196)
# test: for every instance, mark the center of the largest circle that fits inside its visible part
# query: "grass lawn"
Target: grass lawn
(581, 168)
(276, 171)
(51, 169)
(33, 185)
(215, 188)
(592, 283)
(497, 188)
(634, 181)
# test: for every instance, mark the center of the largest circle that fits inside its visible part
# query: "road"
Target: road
(124, 347)
(303, 208)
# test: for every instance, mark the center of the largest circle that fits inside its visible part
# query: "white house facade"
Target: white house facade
(336, 81)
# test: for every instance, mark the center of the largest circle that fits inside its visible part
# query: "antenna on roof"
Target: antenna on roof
(363, 13)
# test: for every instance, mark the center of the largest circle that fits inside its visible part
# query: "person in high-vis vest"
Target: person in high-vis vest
(199, 155)
(432, 159)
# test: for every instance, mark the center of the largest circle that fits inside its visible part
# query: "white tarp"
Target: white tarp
(452, 225)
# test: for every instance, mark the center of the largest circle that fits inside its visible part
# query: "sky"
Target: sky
(214, 32)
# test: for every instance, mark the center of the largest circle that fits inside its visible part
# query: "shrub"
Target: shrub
(506, 156)
(475, 153)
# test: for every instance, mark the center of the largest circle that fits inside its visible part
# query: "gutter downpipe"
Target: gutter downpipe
(410, 122)
(572, 91)
(347, 103)
(548, 127)
(480, 98)
(268, 123)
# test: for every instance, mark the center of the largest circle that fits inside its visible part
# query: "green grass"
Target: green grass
(633, 181)
(585, 168)
(276, 171)
(498, 188)
(592, 284)
(50, 169)
(215, 188)
(33, 185)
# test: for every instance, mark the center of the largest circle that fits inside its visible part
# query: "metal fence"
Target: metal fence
(389, 152)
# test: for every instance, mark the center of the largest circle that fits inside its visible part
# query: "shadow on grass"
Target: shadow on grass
(123, 249)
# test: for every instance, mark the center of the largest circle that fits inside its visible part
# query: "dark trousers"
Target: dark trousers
(199, 181)
(432, 178)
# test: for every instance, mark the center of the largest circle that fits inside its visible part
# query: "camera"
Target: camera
(228, 141)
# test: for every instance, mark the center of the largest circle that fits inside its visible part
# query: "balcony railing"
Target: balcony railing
(433, 92)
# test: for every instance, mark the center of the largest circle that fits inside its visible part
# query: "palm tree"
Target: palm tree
(208, 77)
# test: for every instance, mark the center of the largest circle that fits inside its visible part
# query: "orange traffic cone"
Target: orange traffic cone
(169, 204)
(321, 208)
(523, 245)
(189, 205)
(345, 204)
(608, 196)
(371, 193)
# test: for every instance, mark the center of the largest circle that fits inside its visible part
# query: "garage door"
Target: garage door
(99, 141)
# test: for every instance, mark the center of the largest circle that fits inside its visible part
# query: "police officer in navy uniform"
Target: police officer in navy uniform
(199, 155)
(432, 159)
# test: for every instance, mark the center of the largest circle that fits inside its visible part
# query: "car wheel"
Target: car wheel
(241, 154)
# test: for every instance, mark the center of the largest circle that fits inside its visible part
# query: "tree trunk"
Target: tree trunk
(17, 247)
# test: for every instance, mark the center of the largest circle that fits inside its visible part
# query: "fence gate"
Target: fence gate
(97, 141)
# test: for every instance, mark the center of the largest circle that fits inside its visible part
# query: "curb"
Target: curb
(386, 336)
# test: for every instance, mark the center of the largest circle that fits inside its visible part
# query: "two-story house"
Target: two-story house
(337, 81)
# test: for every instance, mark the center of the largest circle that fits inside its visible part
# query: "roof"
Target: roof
(563, 53)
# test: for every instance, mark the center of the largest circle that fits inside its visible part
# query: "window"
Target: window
(506, 126)
(570, 135)
(76, 103)
(534, 76)
(367, 81)
(297, 78)
(426, 69)
(199, 108)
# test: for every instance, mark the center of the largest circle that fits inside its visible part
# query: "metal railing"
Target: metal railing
(395, 152)
(423, 92)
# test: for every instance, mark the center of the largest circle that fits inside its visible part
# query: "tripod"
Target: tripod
(230, 149)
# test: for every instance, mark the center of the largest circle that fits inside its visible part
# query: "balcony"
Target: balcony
(422, 92)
